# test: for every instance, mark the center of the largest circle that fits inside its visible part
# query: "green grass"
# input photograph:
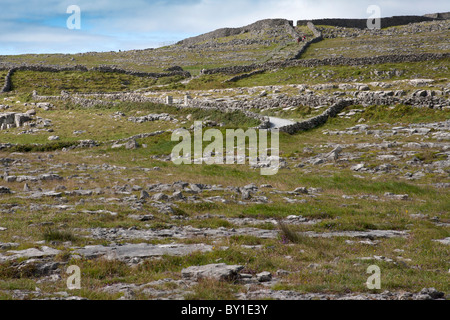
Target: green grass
(212, 290)
(436, 69)
(58, 235)
(340, 269)
(52, 83)
(336, 74)
(403, 113)
(363, 46)
(97, 123)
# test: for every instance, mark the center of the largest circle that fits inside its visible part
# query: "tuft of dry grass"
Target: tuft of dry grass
(289, 235)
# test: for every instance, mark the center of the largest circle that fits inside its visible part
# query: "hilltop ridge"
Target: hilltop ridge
(256, 27)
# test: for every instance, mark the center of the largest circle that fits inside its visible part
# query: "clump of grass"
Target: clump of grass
(59, 235)
(403, 113)
(47, 147)
(289, 235)
(208, 289)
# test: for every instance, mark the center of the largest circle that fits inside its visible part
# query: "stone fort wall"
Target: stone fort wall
(385, 22)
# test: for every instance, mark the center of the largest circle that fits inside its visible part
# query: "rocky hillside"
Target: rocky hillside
(266, 40)
(88, 180)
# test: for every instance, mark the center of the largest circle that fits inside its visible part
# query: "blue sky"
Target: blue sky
(39, 26)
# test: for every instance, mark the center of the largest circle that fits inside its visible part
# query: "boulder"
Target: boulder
(220, 271)
(131, 145)
(160, 197)
(264, 276)
(4, 190)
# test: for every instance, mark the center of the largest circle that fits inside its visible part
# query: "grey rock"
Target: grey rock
(196, 187)
(178, 195)
(4, 190)
(38, 268)
(334, 155)
(6, 246)
(215, 271)
(245, 195)
(372, 234)
(396, 196)
(131, 145)
(147, 217)
(302, 190)
(358, 167)
(30, 253)
(160, 197)
(317, 161)
(432, 292)
(142, 250)
(144, 195)
(46, 194)
(264, 276)
(444, 241)
(49, 177)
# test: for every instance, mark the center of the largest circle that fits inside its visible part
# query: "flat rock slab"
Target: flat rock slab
(30, 253)
(180, 233)
(425, 294)
(219, 271)
(9, 245)
(142, 250)
(444, 241)
(372, 234)
(38, 195)
(291, 220)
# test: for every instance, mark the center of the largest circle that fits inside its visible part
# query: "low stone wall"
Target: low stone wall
(13, 120)
(319, 120)
(317, 37)
(8, 80)
(8, 83)
(362, 23)
(112, 69)
(249, 70)
(245, 75)
(339, 61)
(442, 15)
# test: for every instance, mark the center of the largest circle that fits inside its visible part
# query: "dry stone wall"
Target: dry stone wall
(362, 23)
(107, 69)
(13, 120)
(338, 61)
(319, 120)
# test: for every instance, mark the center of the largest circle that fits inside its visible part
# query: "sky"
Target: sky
(41, 26)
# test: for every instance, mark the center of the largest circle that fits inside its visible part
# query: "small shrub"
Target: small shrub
(58, 235)
(287, 234)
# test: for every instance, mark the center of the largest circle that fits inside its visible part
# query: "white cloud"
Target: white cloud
(140, 23)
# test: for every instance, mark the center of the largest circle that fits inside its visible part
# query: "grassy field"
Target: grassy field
(47, 83)
(339, 271)
(366, 46)
(402, 186)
